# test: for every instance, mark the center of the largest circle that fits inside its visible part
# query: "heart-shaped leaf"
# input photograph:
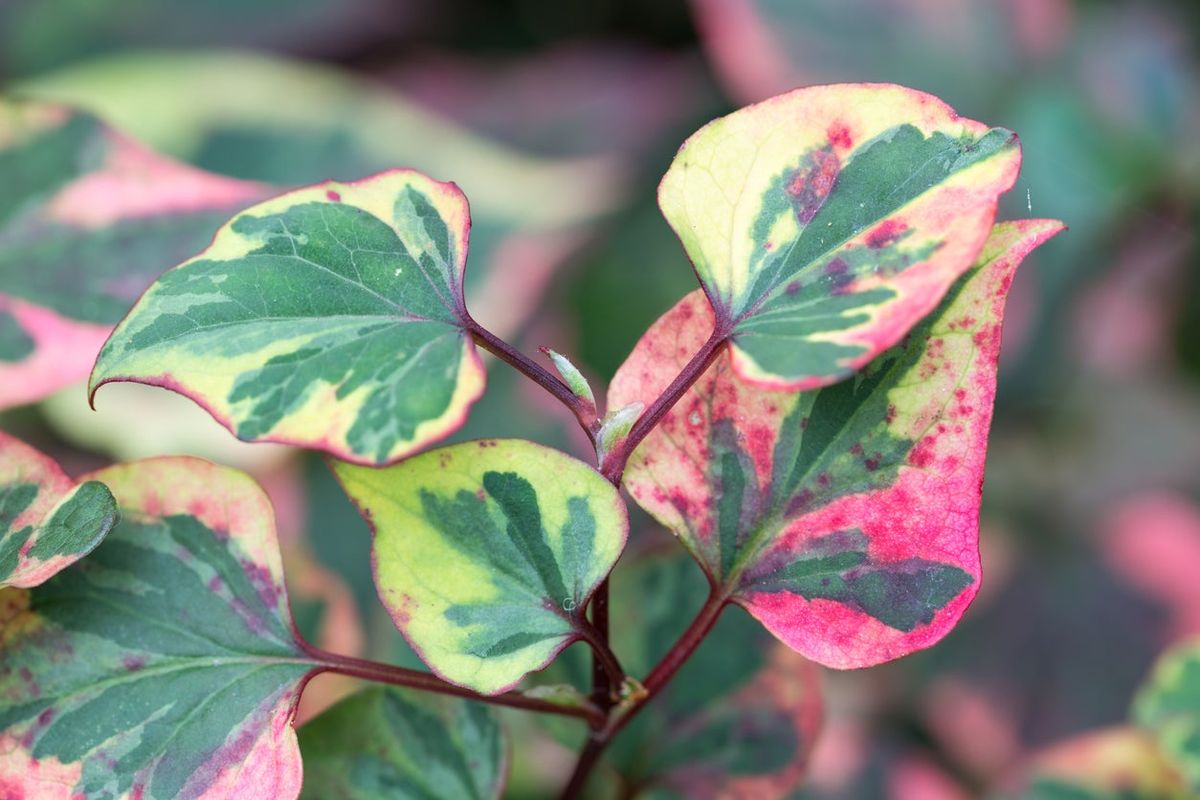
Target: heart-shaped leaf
(1169, 705)
(330, 317)
(846, 519)
(163, 665)
(88, 219)
(824, 223)
(387, 742)
(487, 552)
(47, 521)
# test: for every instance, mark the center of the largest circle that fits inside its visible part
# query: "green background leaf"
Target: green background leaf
(1169, 705)
(398, 743)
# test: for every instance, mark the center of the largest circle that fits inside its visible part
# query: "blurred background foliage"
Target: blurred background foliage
(558, 119)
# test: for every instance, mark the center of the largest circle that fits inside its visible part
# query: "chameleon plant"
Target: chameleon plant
(810, 423)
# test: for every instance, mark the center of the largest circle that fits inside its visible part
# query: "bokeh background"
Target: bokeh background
(558, 119)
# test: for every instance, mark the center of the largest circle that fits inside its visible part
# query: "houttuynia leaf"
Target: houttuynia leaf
(487, 552)
(824, 223)
(88, 219)
(163, 665)
(47, 521)
(1169, 705)
(844, 519)
(329, 317)
(397, 743)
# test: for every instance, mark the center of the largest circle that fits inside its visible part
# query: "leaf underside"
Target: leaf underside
(486, 553)
(163, 665)
(825, 222)
(845, 519)
(47, 521)
(330, 317)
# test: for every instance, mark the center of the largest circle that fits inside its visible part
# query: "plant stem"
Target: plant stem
(606, 668)
(659, 676)
(602, 680)
(538, 374)
(613, 467)
(415, 679)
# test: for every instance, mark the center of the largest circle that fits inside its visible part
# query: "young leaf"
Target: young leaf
(88, 219)
(47, 521)
(330, 317)
(824, 223)
(487, 552)
(846, 519)
(164, 664)
(1169, 705)
(387, 742)
(574, 379)
(615, 427)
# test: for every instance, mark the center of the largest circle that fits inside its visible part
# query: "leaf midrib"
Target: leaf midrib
(752, 309)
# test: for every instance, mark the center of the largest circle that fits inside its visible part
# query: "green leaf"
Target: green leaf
(47, 520)
(487, 552)
(1169, 705)
(844, 519)
(574, 379)
(164, 665)
(330, 317)
(387, 742)
(1120, 763)
(824, 223)
(88, 219)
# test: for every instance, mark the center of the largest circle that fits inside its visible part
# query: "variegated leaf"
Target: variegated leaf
(845, 519)
(164, 665)
(336, 124)
(1169, 705)
(330, 317)
(487, 552)
(403, 744)
(88, 219)
(47, 520)
(824, 223)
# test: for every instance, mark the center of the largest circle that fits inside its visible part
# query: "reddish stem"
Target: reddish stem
(659, 676)
(584, 413)
(415, 679)
(613, 467)
(605, 665)
(603, 681)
